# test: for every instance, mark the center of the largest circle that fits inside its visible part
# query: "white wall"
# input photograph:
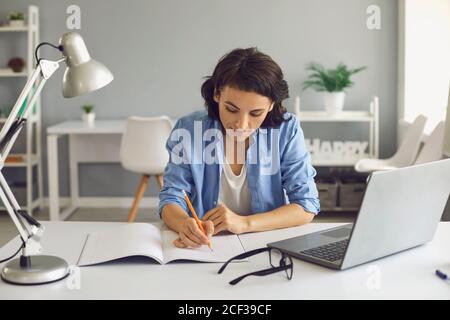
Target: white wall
(424, 60)
(160, 50)
(447, 130)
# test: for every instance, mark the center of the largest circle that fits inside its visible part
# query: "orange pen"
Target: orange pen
(196, 217)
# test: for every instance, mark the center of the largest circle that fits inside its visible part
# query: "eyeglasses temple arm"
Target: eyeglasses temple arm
(242, 256)
(260, 273)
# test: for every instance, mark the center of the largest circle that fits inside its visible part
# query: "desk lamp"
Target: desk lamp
(82, 75)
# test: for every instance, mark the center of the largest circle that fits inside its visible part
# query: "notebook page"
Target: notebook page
(134, 239)
(224, 248)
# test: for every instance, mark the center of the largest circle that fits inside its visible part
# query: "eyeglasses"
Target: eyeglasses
(279, 261)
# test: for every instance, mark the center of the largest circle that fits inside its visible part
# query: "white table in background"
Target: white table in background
(406, 275)
(99, 143)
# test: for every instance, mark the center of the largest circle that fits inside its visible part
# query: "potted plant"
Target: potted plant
(332, 83)
(16, 64)
(88, 114)
(16, 19)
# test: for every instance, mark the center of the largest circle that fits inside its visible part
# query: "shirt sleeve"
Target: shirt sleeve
(297, 173)
(177, 176)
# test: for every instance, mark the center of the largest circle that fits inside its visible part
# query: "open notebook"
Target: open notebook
(153, 241)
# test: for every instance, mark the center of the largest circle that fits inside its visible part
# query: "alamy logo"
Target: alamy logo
(373, 281)
(373, 21)
(73, 21)
(73, 281)
(207, 148)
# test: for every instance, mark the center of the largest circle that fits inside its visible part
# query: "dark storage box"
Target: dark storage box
(328, 192)
(351, 191)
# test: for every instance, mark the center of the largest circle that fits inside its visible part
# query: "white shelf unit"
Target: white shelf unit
(13, 29)
(31, 158)
(370, 117)
(6, 72)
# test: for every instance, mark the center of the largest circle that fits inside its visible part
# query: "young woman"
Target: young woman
(243, 162)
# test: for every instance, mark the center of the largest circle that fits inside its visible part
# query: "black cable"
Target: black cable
(23, 214)
(60, 48)
(4, 260)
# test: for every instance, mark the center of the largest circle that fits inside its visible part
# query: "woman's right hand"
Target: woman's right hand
(192, 236)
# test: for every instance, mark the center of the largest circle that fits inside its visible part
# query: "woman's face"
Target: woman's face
(241, 112)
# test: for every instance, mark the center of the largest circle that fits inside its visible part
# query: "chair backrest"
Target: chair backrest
(409, 147)
(143, 144)
(432, 150)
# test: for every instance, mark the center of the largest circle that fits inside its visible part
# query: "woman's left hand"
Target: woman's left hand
(226, 220)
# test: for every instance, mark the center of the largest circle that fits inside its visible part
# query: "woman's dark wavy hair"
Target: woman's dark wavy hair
(252, 71)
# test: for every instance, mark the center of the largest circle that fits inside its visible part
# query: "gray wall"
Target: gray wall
(159, 51)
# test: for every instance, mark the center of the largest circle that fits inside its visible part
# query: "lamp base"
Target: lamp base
(42, 269)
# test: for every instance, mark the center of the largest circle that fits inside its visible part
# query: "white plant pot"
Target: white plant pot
(334, 102)
(17, 23)
(89, 118)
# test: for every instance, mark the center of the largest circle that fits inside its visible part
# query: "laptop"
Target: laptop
(401, 209)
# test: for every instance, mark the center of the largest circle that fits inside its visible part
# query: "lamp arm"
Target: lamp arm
(24, 230)
(25, 92)
(29, 229)
(45, 70)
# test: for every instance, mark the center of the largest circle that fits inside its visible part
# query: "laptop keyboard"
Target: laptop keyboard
(330, 252)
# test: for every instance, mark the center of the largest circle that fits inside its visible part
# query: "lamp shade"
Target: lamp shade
(83, 74)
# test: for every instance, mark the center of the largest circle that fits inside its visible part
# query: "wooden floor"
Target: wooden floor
(8, 230)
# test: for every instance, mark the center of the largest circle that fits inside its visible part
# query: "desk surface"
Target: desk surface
(407, 275)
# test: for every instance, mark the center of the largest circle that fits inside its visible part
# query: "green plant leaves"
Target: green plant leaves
(88, 108)
(16, 16)
(331, 80)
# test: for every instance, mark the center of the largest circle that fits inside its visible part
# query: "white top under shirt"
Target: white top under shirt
(233, 191)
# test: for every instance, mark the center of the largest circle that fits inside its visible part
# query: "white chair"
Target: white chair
(405, 155)
(432, 149)
(143, 151)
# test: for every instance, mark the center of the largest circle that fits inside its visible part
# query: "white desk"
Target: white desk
(407, 275)
(100, 143)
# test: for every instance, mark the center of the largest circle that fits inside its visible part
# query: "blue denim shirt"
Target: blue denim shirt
(279, 169)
